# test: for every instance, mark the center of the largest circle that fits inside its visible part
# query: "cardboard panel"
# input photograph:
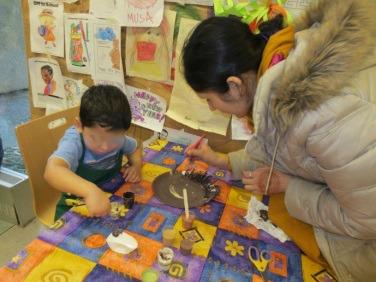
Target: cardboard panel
(37, 140)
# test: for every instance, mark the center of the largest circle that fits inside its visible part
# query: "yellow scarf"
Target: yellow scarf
(277, 49)
(279, 44)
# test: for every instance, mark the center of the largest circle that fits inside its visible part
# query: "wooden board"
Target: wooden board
(218, 142)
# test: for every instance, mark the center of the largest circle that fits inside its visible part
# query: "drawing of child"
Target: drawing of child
(47, 20)
(47, 74)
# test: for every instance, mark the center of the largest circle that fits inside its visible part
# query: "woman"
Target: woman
(314, 116)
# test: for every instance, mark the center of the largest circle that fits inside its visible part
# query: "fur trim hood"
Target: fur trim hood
(335, 39)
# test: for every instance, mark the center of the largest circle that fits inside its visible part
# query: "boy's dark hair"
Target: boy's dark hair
(107, 106)
(47, 68)
(220, 47)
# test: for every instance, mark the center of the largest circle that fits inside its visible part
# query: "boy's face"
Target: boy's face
(100, 140)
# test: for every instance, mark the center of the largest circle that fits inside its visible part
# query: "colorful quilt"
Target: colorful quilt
(75, 249)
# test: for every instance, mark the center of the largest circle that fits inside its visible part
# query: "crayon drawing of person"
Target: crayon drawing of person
(47, 76)
(76, 47)
(142, 4)
(150, 51)
(46, 29)
(115, 54)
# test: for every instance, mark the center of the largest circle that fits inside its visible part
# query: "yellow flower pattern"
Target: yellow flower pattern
(177, 148)
(234, 248)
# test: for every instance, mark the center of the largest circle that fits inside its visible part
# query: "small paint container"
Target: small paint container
(165, 257)
(150, 275)
(188, 222)
(168, 236)
(186, 246)
(128, 198)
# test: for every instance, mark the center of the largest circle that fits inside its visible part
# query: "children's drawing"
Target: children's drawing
(46, 82)
(46, 27)
(149, 50)
(148, 109)
(77, 44)
(108, 9)
(73, 91)
(143, 12)
(106, 49)
(185, 106)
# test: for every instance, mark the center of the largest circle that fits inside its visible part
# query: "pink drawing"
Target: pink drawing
(142, 4)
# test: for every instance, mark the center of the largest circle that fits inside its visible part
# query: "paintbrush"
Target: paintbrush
(194, 145)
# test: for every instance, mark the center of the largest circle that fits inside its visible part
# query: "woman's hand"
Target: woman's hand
(256, 180)
(206, 154)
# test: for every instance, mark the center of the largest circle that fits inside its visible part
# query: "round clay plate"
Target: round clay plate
(168, 188)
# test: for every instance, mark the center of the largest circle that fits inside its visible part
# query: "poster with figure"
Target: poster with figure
(143, 12)
(47, 83)
(108, 9)
(78, 48)
(148, 50)
(46, 27)
(118, 84)
(73, 91)
(185, 106)
(107, 64)
(148, 109)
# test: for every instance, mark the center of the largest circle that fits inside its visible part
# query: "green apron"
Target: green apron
(96, 176)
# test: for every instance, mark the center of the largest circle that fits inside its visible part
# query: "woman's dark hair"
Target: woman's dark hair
(106, 106)
(220, 47)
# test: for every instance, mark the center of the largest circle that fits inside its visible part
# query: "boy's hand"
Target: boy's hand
(97, 202)
(132, 173)
(256, 180)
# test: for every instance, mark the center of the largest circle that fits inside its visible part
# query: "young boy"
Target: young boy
(90, 153)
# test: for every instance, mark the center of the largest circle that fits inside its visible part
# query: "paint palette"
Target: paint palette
(168, 188)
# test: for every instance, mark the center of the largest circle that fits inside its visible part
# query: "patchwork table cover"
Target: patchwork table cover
(75, 249)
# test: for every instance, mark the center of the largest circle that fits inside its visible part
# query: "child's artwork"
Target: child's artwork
(47, 83)
(185, 106)
(193, 2)
(191, 12)
(107, 63)
(295, 7)
(73, 91)
(148, 109)
(149, 50)
(118, 84)
(46, 27)
(108, 9)
(240, 128)
(77, 44)
(143, 12)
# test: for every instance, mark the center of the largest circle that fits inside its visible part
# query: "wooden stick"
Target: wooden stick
(186, 206)
(272, 167)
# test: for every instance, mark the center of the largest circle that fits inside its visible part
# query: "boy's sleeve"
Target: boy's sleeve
(69, 148)
(130, 146)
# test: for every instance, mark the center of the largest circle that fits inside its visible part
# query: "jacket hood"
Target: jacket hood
(334, 40)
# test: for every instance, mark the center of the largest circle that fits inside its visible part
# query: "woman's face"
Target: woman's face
(237, 101)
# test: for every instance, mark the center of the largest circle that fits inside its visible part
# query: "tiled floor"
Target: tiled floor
(14, 109)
